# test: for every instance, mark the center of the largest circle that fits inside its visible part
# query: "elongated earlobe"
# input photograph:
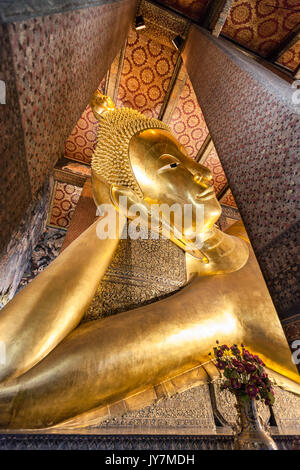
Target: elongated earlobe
(127, 202)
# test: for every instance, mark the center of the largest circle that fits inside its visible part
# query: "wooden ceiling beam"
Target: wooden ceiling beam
(212, 13)
(223, 192)
(289, 42)
(174, 11)
(170, 88)
(204, 150)
(221, 17)
(274, 67)
(64, 174)
(113, 75)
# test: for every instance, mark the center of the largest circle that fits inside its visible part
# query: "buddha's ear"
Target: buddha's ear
(125, 198)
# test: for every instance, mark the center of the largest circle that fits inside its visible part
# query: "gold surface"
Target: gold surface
(56, 371)
(100, 104)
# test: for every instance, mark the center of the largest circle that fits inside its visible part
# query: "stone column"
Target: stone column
(254, 120)
(54, 54)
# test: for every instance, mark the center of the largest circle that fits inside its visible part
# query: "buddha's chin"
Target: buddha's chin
(212, 213)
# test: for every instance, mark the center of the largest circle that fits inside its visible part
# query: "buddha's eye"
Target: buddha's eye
(169, 166)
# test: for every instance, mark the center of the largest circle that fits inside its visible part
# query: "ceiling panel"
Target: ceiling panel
(291, 58)
(262, 25)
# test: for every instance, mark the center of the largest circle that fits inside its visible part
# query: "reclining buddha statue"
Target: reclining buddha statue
(56, 368)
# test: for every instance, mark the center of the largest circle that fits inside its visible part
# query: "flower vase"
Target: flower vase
(252, 435)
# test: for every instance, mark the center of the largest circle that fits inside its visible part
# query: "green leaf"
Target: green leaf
(271, 397)
(245, 397)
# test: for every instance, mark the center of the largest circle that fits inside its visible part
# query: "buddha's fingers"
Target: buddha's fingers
(52, 305)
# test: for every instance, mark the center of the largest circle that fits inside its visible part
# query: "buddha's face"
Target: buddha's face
(101, 103)
(167, 175)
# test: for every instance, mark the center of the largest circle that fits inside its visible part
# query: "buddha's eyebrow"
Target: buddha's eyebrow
(167, 156)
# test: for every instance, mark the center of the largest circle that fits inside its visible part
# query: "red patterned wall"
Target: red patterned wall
(291, 58)
(81, 142)
(57, 67)
(219, 178)
(228, 199)
(64, 201)
(187, 122)
(147, 70)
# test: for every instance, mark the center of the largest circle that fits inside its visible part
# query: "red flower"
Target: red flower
(249, 367)
(255, 380)
(258, 360)
(240, 368)
(251, 390)
(221, 364)
(238, 365)
(235, 384)
(247, 356)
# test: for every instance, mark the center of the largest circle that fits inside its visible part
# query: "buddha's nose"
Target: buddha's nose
(203, 180)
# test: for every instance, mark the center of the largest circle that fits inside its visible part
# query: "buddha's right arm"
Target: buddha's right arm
(52, 305)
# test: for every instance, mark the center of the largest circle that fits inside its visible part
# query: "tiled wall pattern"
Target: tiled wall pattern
(291, 58)
(257, 138)
(65, 74)
(49, 78)
(15, 190)
(145, 74)
(187, 122)
(161, 25)
(82, 140)
(291, 327)
(65, 199)
(262, 25)
(228, 199)
(254, 133)
(213, 163)
(147, 70)
(228, 217)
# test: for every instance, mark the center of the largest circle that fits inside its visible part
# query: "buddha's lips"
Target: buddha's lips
(203, 195)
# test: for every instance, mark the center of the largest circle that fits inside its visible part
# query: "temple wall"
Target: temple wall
(53, 57)
(18, 252)
(255, 127)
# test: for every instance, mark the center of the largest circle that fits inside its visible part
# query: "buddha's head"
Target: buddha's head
(100, 104)
(138, 157)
